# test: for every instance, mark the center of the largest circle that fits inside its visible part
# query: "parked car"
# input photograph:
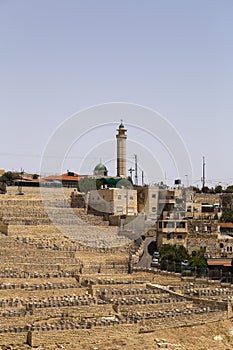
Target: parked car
(155, 262)
(185, 265)
(156, 255)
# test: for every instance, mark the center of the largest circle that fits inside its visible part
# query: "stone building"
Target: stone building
(203, 234)
(190, 221)
(172, 232)
(226, 201)
(69, 179)
(77, 199)
(147, 200)
(112, 201)
(205, 205)
(172, 226)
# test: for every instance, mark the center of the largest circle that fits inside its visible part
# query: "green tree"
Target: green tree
(229, 189)
(8, 177)
(206, 189)
(182, 253)
(218, 189)
(88, 184)
(196, 189)
(124, 183)
(198, 259)
(171, 255)
(227, 216)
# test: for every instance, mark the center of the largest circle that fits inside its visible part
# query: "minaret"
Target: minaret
(121, 150)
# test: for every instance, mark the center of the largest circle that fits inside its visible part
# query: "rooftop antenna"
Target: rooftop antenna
(136, 169)
(203, 173)
(131, 172)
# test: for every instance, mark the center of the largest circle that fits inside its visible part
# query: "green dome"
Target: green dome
(100, 167)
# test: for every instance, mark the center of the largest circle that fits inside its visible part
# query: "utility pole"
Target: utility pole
(187, 181)
(20, 187)
(136, 169)
(203, 174)
(142, 178)
(131, 172)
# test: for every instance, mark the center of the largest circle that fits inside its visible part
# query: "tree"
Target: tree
(205, 189)
(196, 189)
(124, 183)
(171, 255)
(227, 216)
(182, 253)
(198, 259)
(218, 189)
(88, 184)
(8, 177)
(229, 189)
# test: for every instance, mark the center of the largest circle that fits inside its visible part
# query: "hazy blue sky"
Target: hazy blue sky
(173, 56)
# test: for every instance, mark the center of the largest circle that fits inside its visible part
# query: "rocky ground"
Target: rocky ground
(66, 295)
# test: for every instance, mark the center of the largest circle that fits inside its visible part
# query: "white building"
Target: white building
(113, 201)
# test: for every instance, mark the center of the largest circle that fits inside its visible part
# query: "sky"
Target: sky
(170, 56)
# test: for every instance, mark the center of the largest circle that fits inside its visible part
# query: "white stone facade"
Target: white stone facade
(113, 201)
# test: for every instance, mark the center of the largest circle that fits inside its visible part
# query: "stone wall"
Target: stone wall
(207, 198)
(203, 240)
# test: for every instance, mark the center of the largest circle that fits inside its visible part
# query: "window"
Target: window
(153, 209)
(221, 245)
(130, 210)
(119, 196)
(131, 197)
(160, 224)
(153, 195)
(119, 209)
(179, 237)
(169, 224)
(168, 236)
(180, 224)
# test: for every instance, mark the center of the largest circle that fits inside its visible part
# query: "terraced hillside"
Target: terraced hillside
(58, 293)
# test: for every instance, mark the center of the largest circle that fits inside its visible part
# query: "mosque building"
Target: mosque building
(101, 170)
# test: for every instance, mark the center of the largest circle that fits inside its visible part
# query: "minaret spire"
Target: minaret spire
(121, 150)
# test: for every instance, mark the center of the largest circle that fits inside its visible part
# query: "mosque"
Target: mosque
(100, 170)
(71, 179)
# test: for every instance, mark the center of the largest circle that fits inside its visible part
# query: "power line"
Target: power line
(47, 156)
